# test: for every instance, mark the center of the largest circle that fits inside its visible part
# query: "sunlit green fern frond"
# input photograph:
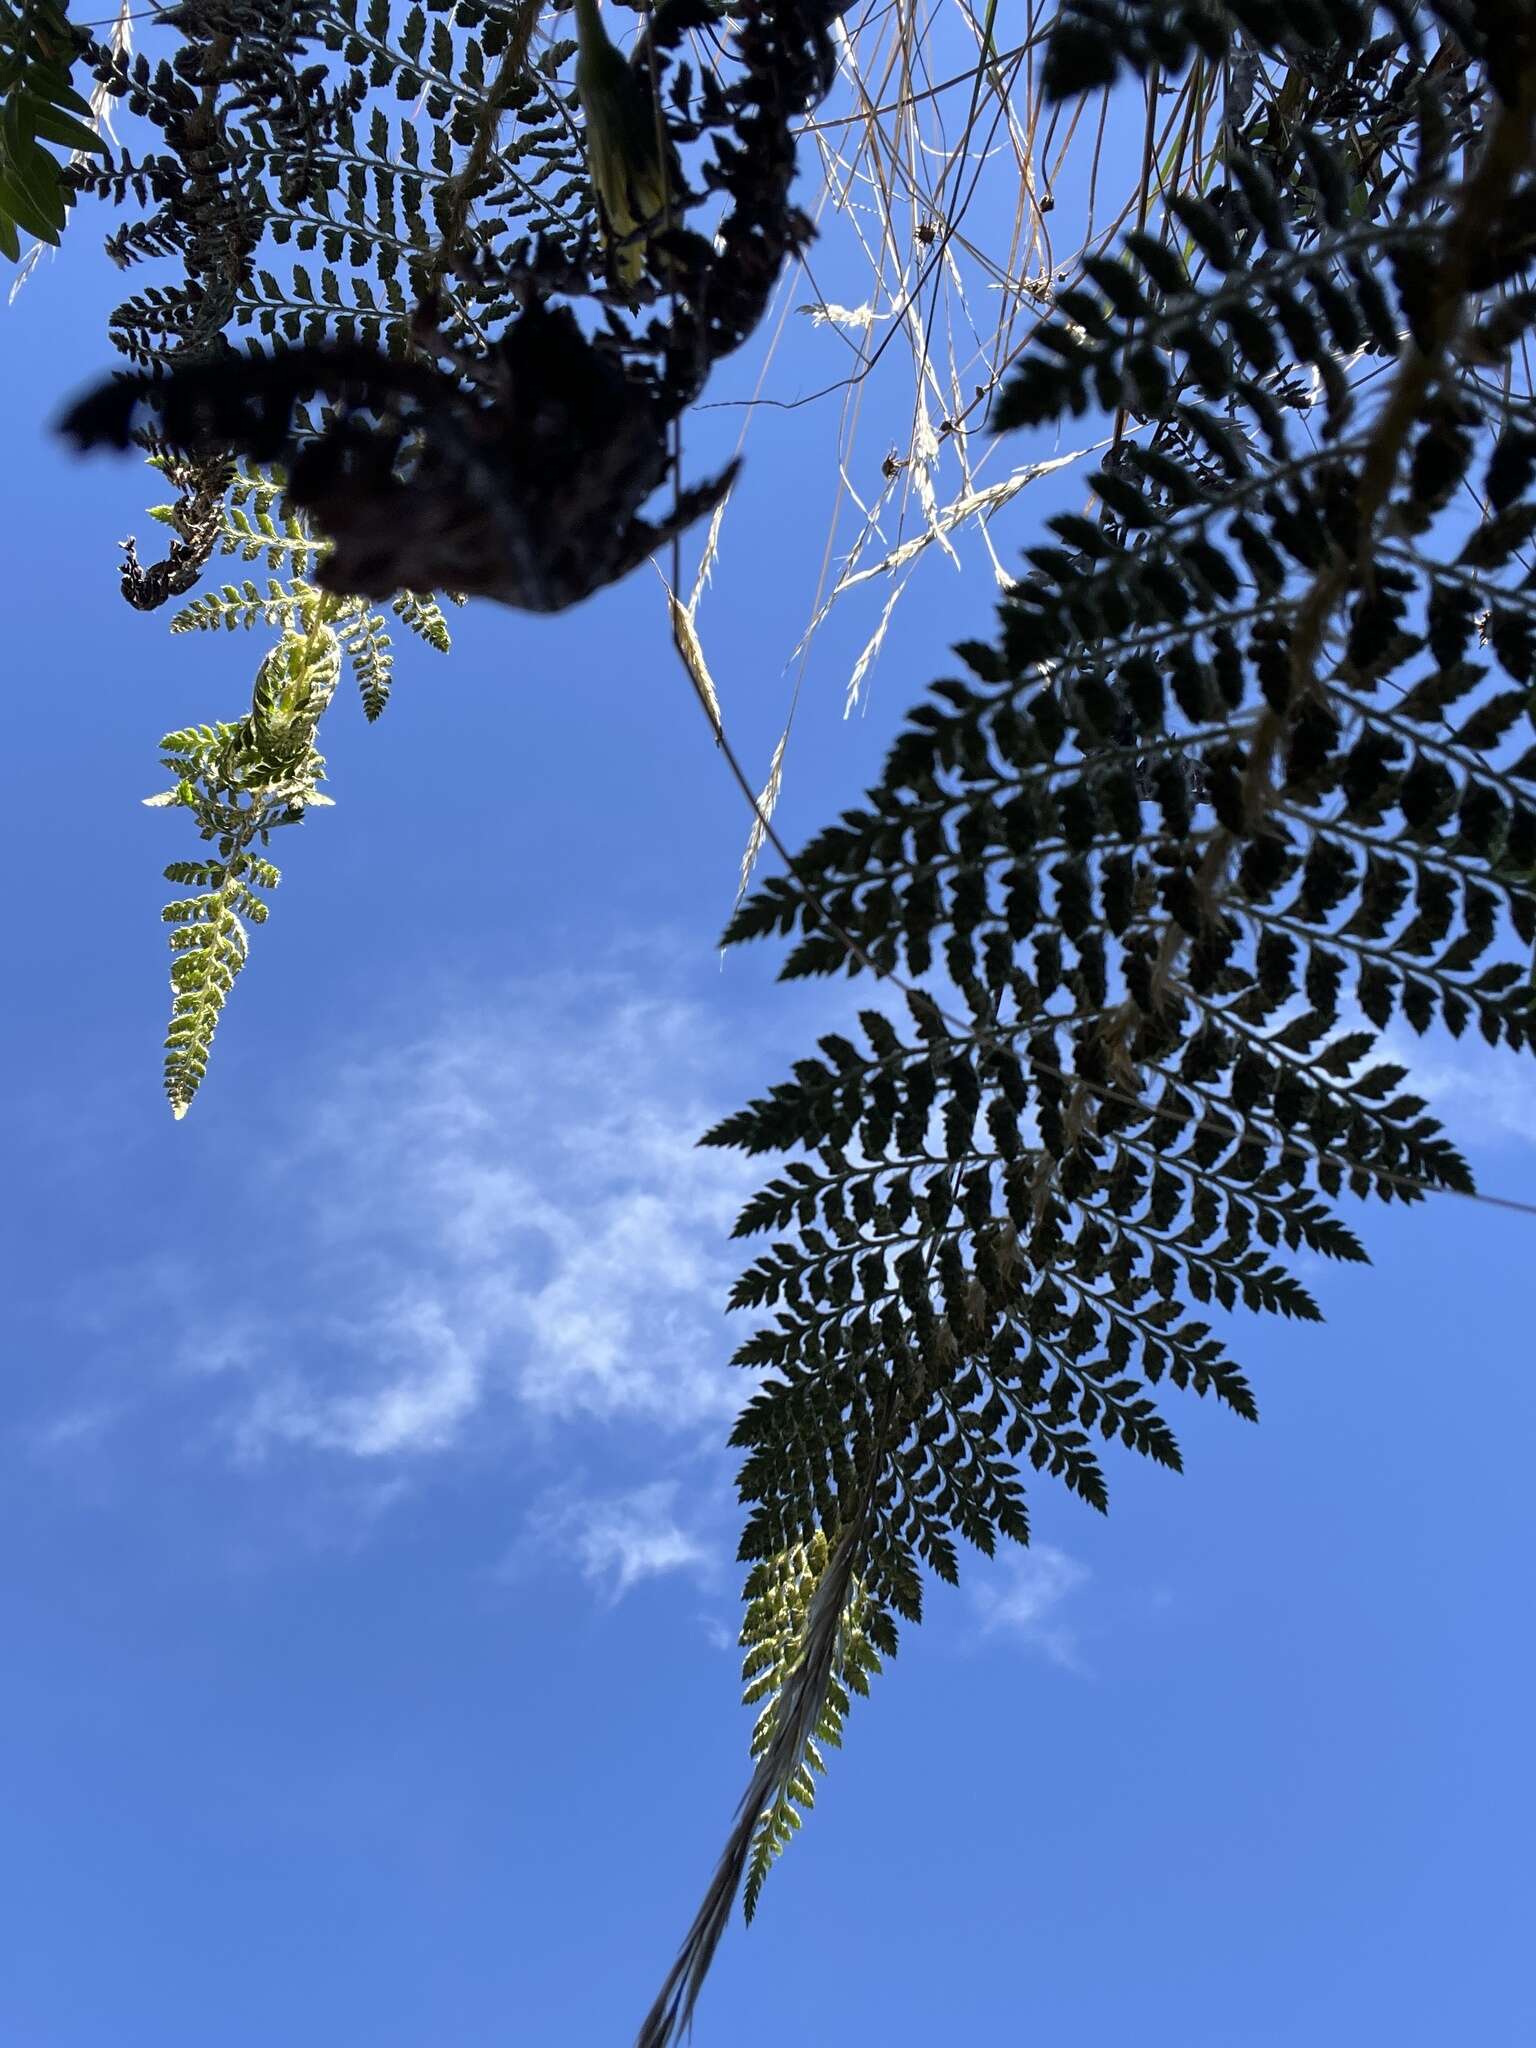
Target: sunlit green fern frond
(212, 940)
(241, 781)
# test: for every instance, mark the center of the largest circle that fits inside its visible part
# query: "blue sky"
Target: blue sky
(368, 1595)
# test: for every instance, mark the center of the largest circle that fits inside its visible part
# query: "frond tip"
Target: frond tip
(779, 1593)
(805, 1614)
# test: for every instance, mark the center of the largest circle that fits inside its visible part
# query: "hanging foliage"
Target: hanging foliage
(1244, 780)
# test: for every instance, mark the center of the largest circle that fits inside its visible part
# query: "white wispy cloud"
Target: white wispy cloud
(425, 1381)
(617, 1540)
(1021, 1593)
(510, 1209)
(75, 1429)
(1483, 1094)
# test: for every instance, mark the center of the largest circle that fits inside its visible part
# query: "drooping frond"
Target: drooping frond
(1246, 777)
(241, 781)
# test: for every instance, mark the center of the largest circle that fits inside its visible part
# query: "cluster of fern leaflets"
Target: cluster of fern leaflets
(1246, 781)
(779, 1596)
(254, 524)
(243, 779)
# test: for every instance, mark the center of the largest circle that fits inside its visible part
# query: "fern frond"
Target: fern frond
(1233, 788)
(241, 781)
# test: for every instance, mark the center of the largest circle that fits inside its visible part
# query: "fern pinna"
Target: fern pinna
(1245, 778)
